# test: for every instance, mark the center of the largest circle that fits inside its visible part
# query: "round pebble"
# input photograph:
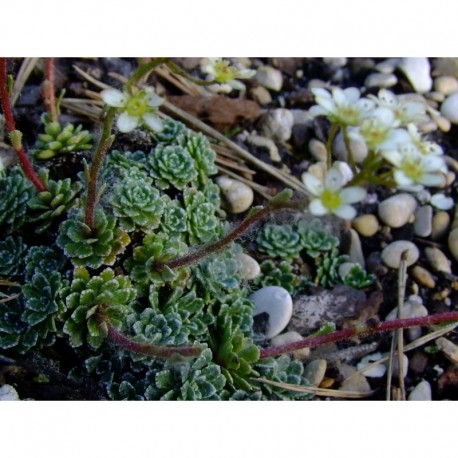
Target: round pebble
(318, 149)
(422, 392)
(355, 251)
(249, 267)
(236, 197)
(366, 225)
(395, 366)
(437, 260)
(261, 95)
(358, 148)
(353, 382)
(277, 303)
(8, 393)
(269, 77)
(449, 349)
(453, 243)
(376, 371)
(315, 370)
(440, 225)
(380, 80)
(291, 337)
(449, 108)
(278, 124)
(417, 70)
(391, 254)
(446, 85)
(397, 210)
(424, 277)
(335, 61)
(423, 221)
(388, 65)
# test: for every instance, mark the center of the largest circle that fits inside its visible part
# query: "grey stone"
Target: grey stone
(353, 381)
(8, 393)
(356, 251)
(449, 108)
(421, 392)
(261, 95)
(269, 77)
(236, 196)
(291, 337)
(278, 124)
(315, 370)
(453, 243)
(440, 225)
(423, 221)
(380, 80)
(395, 367)
(358, 148)
(438, 260)
(391, 254)
(449, 349)
(249, 267)
(277, 303)
(318, 149)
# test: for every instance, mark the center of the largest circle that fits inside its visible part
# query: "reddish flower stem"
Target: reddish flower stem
(244, 226)
(154, 351)
(10, 125)
(49, 90)
(309, 342)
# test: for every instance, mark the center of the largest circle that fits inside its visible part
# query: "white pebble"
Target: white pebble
(277, 303)
(395, 366)
(380, 80)
(366, 225)
(236, 197)
(278, 124)
(422, 392)
(249, 267)
(388, 65)
(374, 371)
(356, 251)
(423, 221)
(437, 260)
(391, 254)
(261, 95)
(335, 61)
(269, 77)
(449, 108)
(315, 370)
(358, 148)
(441, 223)
(397, 210)
(446, 85)
(318, 149)
(418, 72)
(449, 349)
(8, 393)
(453, 243)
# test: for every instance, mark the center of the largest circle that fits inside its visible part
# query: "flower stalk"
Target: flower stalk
(11, 126)
(49, 91)
(440, 318)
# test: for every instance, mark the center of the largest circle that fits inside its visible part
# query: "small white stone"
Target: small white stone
(413, 308)
(418, 72)
(315, 370)
(388, 65)
(436, 96)
(278, 124)
(395, 366)
(302, 117)
(249, 267)
(449, 349)
(422, 392)
(366, 225)
(8, 393)
(335, 61)
(446, 84)
(269, 77)
(291, 337)
(442, 123)
(277, 303)
(380, 80)
(318, 149)
(353, 382)
(391, 254)
(437, 260)
(449, 108)
(374, 371)
(441, 223)
(424, 277)
(265, 142)
(236, 197)
(358, 148)
(453, 243)
(356, 251)
(423, 221)
(397, 210)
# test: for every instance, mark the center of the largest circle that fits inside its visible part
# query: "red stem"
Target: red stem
(353, 332)
(145, 348)
(49, 90)
(10, 125)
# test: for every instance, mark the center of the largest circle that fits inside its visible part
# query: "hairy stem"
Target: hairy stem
(238, 231)
(144, 348)
(351, 158)
(49, 91)
(143, 70)
(10, 125)
(105, 141)
(175, 69)
(440, 318)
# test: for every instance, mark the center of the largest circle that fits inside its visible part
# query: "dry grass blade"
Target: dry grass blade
(8, 283)
(412, 346)
(27, 66)
(180, 82)
(234, 165)
(83, 107)
(317, 391)
(9, 298)
(91, 79)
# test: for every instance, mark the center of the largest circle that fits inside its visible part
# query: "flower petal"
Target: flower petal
(345, 212)
(352, 194)
(153, 122)
(312, 183)
(334, 179)
(317, 208)
(127, 123)
(442, 202)
(114, 98)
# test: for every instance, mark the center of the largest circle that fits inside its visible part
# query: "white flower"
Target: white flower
(330, 196)
(424, 147)
(343, 106)
(137, 109)
(376, 129)
(226, 75)
(442, 202)
(404, 111)
(412, 168)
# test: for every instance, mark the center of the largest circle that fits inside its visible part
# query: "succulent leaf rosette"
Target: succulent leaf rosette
(279, 241)
(12, 253)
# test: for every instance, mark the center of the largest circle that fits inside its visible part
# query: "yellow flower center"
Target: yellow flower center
(331, 200)
(412, 170)
(137, 105)
(224, 72)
